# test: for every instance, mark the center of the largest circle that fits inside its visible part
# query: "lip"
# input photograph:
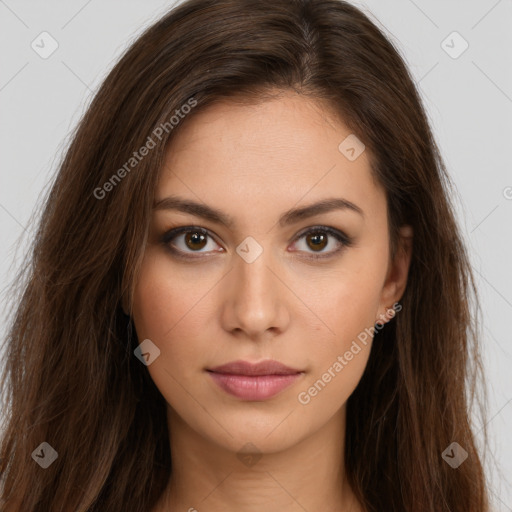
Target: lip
(254, 381)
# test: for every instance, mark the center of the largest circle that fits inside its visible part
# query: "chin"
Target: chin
(260, 432)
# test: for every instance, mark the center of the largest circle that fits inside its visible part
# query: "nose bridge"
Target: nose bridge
(252, 273)
(256, 302)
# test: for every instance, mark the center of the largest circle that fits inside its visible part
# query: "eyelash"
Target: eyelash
(341, 237)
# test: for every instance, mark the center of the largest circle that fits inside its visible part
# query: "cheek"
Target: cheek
(339, 360)
(156, 308)
(167, 299)
(346, 301)
(347, 305)
(167, 309)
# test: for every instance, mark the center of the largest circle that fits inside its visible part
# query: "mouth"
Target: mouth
(254, 382)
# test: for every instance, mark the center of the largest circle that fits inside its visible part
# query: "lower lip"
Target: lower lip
(257, 387)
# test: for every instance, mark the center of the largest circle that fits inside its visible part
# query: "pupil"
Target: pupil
(318, 240)
(195, 238)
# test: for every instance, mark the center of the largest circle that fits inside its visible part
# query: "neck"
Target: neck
(308, 476)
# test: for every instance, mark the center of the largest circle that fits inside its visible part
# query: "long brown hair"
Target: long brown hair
(72, 379)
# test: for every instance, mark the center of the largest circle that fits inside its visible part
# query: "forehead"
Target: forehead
(280, 150)
(276, 124)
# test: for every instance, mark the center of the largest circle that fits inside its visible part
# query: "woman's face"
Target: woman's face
(250, 289)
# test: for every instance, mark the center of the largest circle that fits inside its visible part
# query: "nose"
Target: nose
(255, 304)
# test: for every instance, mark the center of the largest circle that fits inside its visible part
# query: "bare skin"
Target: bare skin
(254, 163)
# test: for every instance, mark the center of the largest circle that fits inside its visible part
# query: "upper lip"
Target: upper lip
(268, 367)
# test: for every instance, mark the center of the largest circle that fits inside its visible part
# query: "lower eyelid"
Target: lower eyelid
(342, 243)
(170, 236)
(342, 239)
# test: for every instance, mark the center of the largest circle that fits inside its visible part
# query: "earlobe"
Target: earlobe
(390, 313)
(396, 279)
(403, 259)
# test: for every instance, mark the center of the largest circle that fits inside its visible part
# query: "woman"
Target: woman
(248, 290)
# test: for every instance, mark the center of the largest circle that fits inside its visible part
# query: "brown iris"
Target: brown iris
(196, 240)
(318, 239)
(193, 238)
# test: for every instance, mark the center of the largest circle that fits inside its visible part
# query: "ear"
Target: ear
(396, 279)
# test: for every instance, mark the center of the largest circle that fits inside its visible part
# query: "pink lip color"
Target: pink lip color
(258, 387)
(254, 381)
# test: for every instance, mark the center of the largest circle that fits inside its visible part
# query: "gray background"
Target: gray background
(469, 103)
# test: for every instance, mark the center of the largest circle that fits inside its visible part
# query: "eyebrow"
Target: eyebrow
(287, 218)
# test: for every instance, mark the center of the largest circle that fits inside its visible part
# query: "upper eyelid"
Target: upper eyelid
(331, 231)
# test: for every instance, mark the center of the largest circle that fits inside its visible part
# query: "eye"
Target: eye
(317, 239)
(184, 241)
(194, 240)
